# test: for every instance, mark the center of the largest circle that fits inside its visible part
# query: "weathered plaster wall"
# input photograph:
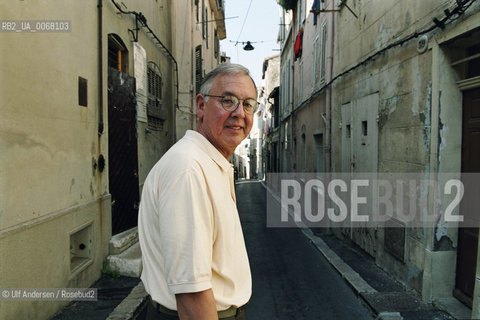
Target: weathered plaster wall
(403, 79)
(49, 143)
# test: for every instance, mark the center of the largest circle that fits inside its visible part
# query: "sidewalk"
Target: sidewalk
(111, 292)
(387, 298)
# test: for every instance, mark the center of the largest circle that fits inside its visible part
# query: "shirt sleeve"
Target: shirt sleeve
(186, 227)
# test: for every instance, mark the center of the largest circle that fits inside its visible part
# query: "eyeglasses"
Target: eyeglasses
(231, 103)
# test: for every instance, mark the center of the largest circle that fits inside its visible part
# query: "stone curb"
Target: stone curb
(132, 306)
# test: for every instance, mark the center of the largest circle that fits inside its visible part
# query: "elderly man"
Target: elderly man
(195, 264)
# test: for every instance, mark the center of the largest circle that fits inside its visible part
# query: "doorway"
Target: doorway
(122, 139)
(360, 155)
(468, 237)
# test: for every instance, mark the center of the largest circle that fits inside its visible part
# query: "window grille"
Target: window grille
(216, 45)
(154, 105)
(198, 68)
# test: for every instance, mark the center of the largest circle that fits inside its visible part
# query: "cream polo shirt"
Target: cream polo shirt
(189, 229)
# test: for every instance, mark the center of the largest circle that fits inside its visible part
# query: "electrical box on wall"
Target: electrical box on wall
(81, 247)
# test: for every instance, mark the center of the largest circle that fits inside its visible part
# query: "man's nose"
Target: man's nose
(239, 112)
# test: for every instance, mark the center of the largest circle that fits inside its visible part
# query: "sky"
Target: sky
(260, 26)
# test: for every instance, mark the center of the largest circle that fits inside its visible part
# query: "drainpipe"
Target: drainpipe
(100, 70)
(100, 162)
(329, 99)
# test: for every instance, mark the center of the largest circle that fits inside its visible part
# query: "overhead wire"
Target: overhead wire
(244, 20)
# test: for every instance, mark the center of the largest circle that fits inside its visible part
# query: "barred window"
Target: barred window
(216, 45)
(198, 68)
(155, 113)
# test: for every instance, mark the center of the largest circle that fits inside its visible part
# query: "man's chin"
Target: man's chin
(235, 140)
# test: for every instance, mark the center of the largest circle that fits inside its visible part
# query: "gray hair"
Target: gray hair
(224, 69)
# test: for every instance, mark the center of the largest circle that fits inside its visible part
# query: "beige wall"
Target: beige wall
(47, 140)
(48, 143)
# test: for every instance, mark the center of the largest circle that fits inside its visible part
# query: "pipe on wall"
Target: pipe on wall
(329, 107)
(100, 69)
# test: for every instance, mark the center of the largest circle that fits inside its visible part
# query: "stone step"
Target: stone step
(122, 241)
(128, 263)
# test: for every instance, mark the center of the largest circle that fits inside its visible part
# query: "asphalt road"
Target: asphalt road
(291, 279)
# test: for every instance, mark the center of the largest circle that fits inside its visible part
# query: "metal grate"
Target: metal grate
(198, 68)
(154, 105)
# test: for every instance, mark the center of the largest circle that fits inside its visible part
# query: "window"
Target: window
(300, 83)
(117, 53)
(204, 20)
(319, 155)
(315, 73)
(287, 87)
(82, 92)
(323, 61)
(206, 28)
(300, 14)
(283, 26)
(364, 128)
(197, 10)
(198, 68)
(154, 104)
(316, 6)
(216, 45)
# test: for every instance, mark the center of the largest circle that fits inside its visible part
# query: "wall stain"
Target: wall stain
(71, 185)
(25, 141)
(383, 36)
(390, 107)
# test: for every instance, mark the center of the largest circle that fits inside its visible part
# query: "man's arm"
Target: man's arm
(197, 305)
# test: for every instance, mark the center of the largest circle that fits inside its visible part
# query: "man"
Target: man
(195, 264)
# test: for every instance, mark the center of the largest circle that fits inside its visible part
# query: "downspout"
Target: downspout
(100, 70)
(173, 12)
(329, 98)
(100, 162)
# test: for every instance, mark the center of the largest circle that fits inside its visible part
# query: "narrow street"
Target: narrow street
(291, 279)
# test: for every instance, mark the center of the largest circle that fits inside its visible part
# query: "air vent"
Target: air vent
(81, 247)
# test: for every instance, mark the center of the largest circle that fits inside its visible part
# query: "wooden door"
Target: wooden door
(468, 237)
(360, 156)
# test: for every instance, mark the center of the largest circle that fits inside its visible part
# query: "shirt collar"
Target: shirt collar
(209, 148)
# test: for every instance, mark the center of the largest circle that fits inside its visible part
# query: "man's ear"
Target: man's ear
(200, 106)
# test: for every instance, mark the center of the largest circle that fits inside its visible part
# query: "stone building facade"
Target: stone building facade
(389, 87)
